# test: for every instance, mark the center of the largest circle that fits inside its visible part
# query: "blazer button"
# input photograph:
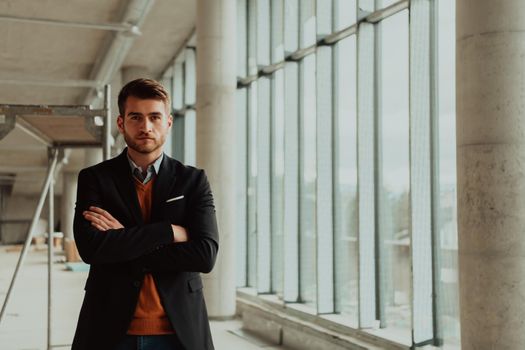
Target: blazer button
(136, 283)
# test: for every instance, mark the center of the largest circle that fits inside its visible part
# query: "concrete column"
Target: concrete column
(490, 40)
(67, 213)
(216, 84)
(69, 193)
(92, 156)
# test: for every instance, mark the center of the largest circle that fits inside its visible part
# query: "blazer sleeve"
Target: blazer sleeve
(199, 253)
(112, 246)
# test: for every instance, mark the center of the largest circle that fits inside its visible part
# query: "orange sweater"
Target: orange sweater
(150, 317)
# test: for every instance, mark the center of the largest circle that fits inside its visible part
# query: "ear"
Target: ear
(170, 121)
(120, 124)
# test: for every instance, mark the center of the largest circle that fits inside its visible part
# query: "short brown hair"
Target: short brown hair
(144, 89)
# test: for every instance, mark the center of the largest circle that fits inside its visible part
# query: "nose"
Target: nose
(146, 125)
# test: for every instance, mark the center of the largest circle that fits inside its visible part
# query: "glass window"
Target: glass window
(323, 15)
(178, 84)
(252, 184)
(177, 132)
(277, 185)
(291, 188)
(241, 198)
(447, 176)
(277, 18)
(252, 37)
(291, 26)
(307, 23)
(324, 180)
(190, 136)
(344, 14)
(242, 35)
(345, 191)
(263, 32)
(394, 210)
(190, 83)
(386, 3)
(263, 186)
(307, 149)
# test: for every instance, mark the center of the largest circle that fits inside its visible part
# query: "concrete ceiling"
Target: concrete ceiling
(41, 63)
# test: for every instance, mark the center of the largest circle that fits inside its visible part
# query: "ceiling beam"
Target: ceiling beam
(127, 28)
(117, 47)
(54, 83)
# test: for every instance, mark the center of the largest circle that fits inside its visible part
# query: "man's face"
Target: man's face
(145, 124)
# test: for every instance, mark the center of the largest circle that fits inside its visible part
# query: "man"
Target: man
(146, 224)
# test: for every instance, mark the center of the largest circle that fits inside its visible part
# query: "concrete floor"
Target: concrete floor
(25, 324)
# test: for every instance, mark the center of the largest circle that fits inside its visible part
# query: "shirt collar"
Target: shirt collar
(155, 167)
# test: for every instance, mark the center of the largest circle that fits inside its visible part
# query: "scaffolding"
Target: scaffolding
(59, 128)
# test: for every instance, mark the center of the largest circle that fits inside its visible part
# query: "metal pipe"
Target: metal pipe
(56, 83)
(118, 46)
(118, 27)
(45, 188)
(50, 239)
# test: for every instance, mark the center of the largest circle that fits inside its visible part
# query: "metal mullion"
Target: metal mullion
(380, 249)
(420, 174)
(366, 171)
(324, 195)
(436, 217)
(50, 254)
(271, 136)
(337, 75)
(291, 181)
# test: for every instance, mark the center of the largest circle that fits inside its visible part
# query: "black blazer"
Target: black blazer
(120, 258)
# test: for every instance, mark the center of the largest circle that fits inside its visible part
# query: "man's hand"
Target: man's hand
(179, 234)
(101, 219)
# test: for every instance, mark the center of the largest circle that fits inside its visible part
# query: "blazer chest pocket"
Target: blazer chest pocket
(174, 209)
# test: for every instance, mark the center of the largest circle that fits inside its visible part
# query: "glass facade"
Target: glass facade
(346, 161)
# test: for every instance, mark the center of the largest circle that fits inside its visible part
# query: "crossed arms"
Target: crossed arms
(102, 220)
(102, 239)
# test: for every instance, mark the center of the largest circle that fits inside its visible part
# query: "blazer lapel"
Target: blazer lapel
(163, 184)
(125, 184)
